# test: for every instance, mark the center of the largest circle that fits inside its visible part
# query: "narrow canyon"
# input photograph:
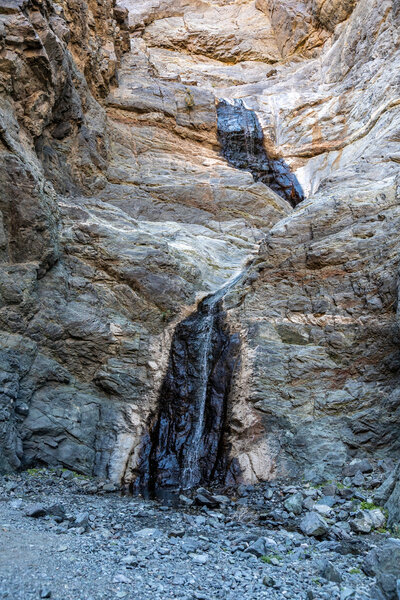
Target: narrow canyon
(199, 247)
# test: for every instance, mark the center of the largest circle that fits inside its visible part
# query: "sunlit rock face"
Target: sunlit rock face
(119, 213)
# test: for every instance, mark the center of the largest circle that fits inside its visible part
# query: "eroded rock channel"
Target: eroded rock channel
(186, 444)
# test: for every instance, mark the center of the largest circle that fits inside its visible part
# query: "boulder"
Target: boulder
(204, 498)
(357, 465)
(35, 511)
(383, 562)
(294, 503)
(328, 571)
(314, 525)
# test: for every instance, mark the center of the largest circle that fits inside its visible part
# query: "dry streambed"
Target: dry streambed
(66, 537)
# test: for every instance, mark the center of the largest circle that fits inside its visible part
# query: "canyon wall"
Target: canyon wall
(119, 213)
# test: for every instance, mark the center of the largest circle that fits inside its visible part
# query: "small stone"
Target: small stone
(200, 559)
(178, 533)
(148, 532)
(257, 548)
(35, 511)
(362, 523)
(323, 509)
(328, 500)
(121, 578)
(204, 498)
(308, 503)
(347, 593)
(58, 511)
(313, 524)
(81, 520)
(268, 493)
(359, 479)
(357, 465)
(329, 490)
(346, 493)
(16, 503)
(269, 581)
(81, 530)
(109, 487)
(67, 475)
(377, 517)
(185, 500)
(45, 593)
(130, 561)
(329, 571)
(222, 499)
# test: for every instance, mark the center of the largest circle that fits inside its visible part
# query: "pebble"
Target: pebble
(200, 559)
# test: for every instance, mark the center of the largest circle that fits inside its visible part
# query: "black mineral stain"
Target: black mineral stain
(186, 445)
(242, 142)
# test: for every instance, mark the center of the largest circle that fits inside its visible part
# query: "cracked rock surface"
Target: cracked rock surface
(119, 214)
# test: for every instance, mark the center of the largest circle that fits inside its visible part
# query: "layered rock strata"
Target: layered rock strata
(119, 214)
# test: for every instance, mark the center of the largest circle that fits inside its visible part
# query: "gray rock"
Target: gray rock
(110, 487)
(81, 520)
(383, 562)
(328, 500)
(56, 510)
(200, 559)
(35, 511)
(204, 498)
(313, 524)
(329, 490)
(322, 509)
(178, 532)
(148, 533)
(259, 547)
(362, 523)
(347, 593)
(357, 465)
(393, 506)
(185, 500)
(269, 581)
(294, 503)
(358, 479)
(308, 503)
(330, 572)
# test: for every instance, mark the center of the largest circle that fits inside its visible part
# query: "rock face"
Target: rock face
(384, 565)
(187, 437)
(119, 213)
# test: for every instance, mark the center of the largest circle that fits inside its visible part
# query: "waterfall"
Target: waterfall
(186, 445)
(186, 442)
(242, 141)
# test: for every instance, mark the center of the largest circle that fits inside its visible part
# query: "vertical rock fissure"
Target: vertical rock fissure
(242, 143)
(187, 446)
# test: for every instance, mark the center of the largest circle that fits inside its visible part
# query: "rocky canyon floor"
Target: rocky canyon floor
(66, 537)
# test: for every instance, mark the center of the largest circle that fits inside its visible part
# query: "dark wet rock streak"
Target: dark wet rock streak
(242, 141)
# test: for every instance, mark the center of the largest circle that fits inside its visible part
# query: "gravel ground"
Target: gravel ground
(110, 546)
